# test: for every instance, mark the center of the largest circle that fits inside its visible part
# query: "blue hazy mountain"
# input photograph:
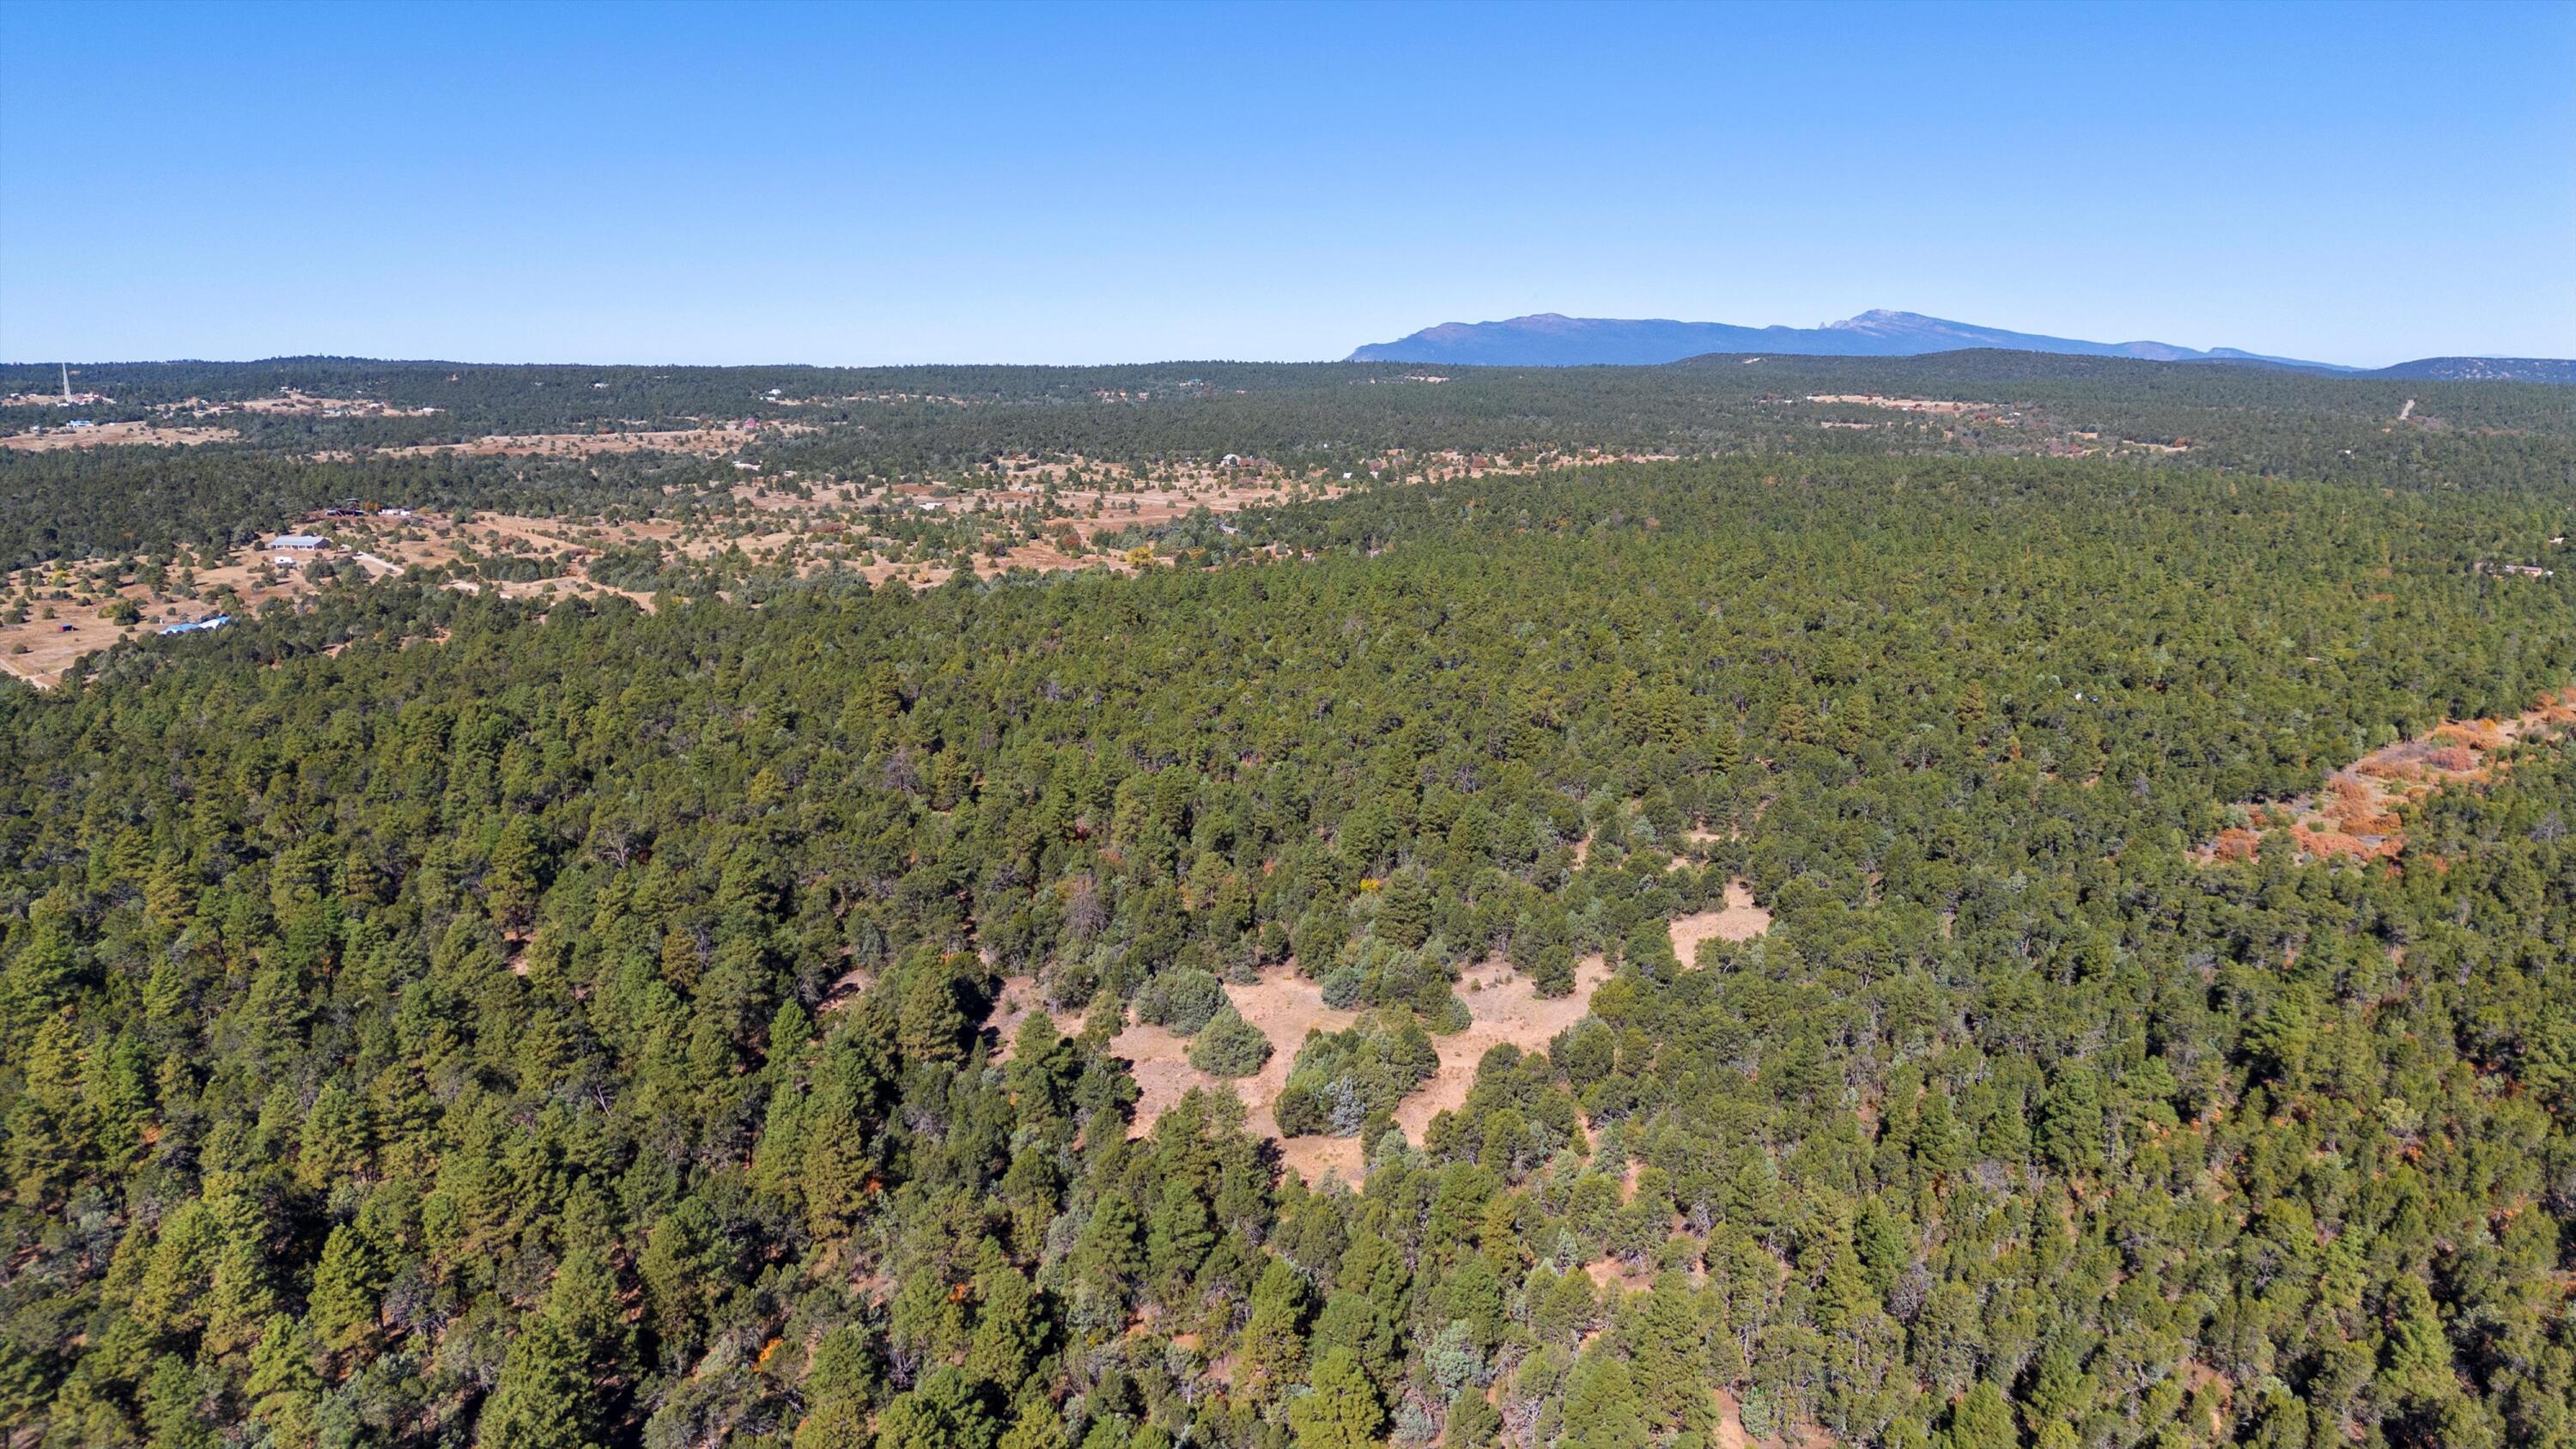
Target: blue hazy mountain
(1551, 340)
(2485, 369)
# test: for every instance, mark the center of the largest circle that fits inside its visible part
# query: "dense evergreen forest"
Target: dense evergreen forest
(437, 1019)
(917, 422)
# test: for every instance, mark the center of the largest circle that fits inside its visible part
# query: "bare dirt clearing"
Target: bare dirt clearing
(1906, 404)
(292, 404)
(368, 548)
(1042, 516)
(1738, 920)
(1504, 1007)
(1282, 1006)
(112, 435)
(40, 649)
(708, 440)
(1018, 999)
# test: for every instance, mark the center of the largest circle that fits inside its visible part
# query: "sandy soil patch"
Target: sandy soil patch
(1014, 1003)
(1940, 406)
(1607, 1273)
(1730, 1423)
(52, 644)
(710, 441)
(1158, 1058)
(1282, 1005)
(41, 649)
(828, 524)
(364, 547)
(293, 404)
(866, 397)
(109, 435)
(1738, 920)
(1315, 1158)
(1505, 1007)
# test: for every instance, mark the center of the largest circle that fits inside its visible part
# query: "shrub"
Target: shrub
(1343, 1078)
(1183, 999)
(1229, 1046)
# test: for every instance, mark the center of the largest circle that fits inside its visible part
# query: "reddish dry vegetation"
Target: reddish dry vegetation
(2354, 816)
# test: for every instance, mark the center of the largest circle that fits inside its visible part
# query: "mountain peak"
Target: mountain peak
(1882, 317)
(1552, 339)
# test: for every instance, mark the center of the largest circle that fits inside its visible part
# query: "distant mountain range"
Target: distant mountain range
(2484, 369)
(1552, 340)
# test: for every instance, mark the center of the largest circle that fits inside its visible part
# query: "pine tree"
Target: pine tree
(837, 1389)
(1404, 909)
(1671, 1358)
(39, 980)
(544, 1399)
(282, 1387)
(1010, 1326)
(944, 1412)
(1177, 1240)
(840, 1423)
(1037, 1425)
(1343, 1412)
(1603, 1408)
(512, 882)
(1971, 709)
(933, 1026)
(1982, 1420)
(584, 1303)
(342, 1308)
(240, 1296)
(1855, 723)
(1108, 1259)
(1725, 748)
(1272, 1351)
(2070, 1120)
(176, 1401)
(835, 1171)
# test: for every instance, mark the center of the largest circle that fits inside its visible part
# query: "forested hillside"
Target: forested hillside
(437, 1019)
(308, 432)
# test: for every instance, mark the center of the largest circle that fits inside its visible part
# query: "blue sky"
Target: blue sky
(1063, 183)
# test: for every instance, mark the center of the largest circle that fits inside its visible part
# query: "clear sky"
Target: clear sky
(801, 183)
